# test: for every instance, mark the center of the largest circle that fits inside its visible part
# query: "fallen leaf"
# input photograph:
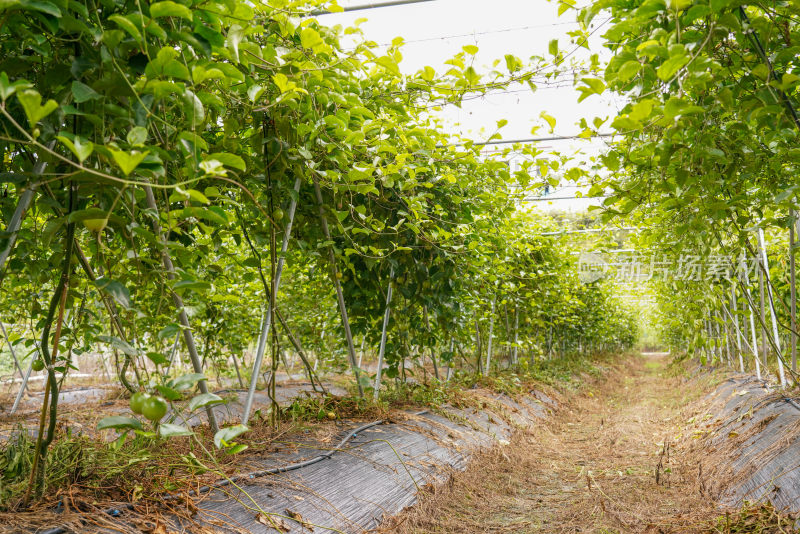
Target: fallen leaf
(273, 522)
(297, 517)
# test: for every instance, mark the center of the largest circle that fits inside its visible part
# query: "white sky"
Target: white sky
(435, 31)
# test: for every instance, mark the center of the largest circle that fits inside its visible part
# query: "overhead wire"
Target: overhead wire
(476, 34)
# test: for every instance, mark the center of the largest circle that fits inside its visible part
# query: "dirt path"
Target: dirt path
(613, 460)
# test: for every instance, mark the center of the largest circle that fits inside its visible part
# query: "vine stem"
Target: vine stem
(41, 445)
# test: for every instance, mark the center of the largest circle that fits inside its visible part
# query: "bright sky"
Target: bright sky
(435, 31)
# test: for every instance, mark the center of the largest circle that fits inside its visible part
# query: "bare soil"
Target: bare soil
(618, 457)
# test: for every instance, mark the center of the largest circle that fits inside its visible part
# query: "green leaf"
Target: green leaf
(157, 358)
(642, 109)
(38, 5)
(83, 93)
(239, 447)
(309, 38)
(119, 345)
(550, 120)
(553, 47)
(470, 49)
(229, 160)
(677, 106)
(186, 381)
(116, 290)
(82, 149)
(127, 161)
(195, 285)
(167, 65)
(628, 70)
(211, 214)
(127, 25)
(671, 66)
(169, 331)
(789, 80)
(235, 36)
(193, 108)
(513, 63)
(203, 400)
(8, 88)
(226, 435)
(389, 64)
(761, 71)
(31, 102)
(169, 393)
(201, 74)
(168, 8)
(119, 422)
(137, 136)
(168, 430)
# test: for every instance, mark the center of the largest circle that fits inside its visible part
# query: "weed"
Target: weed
(760, 518)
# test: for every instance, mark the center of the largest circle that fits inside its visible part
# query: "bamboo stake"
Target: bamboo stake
(734, 303)
(238, 374)
(489, 342)
(450, 362)
(13, 354)
(15, 223)
(762, 312)
(266, 321)
(361, 351)
(296, 344)
(173, 352)
(753, 330)
(382, 346)
(339, 295)
(188, 337)
(793, 290)
(515, 351)
(743, 337)
(775, 334)
(432, 349)
(22, 387)
(727, 341)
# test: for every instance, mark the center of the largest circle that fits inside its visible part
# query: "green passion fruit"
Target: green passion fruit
(137, 402)
(154, 408)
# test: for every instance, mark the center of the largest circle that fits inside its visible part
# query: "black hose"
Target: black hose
(792, 402)
(116, 512)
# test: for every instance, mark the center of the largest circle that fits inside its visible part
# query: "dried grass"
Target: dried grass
(609, 461)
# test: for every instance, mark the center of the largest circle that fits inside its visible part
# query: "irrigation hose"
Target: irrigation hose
(792, 402)
(116, 512)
